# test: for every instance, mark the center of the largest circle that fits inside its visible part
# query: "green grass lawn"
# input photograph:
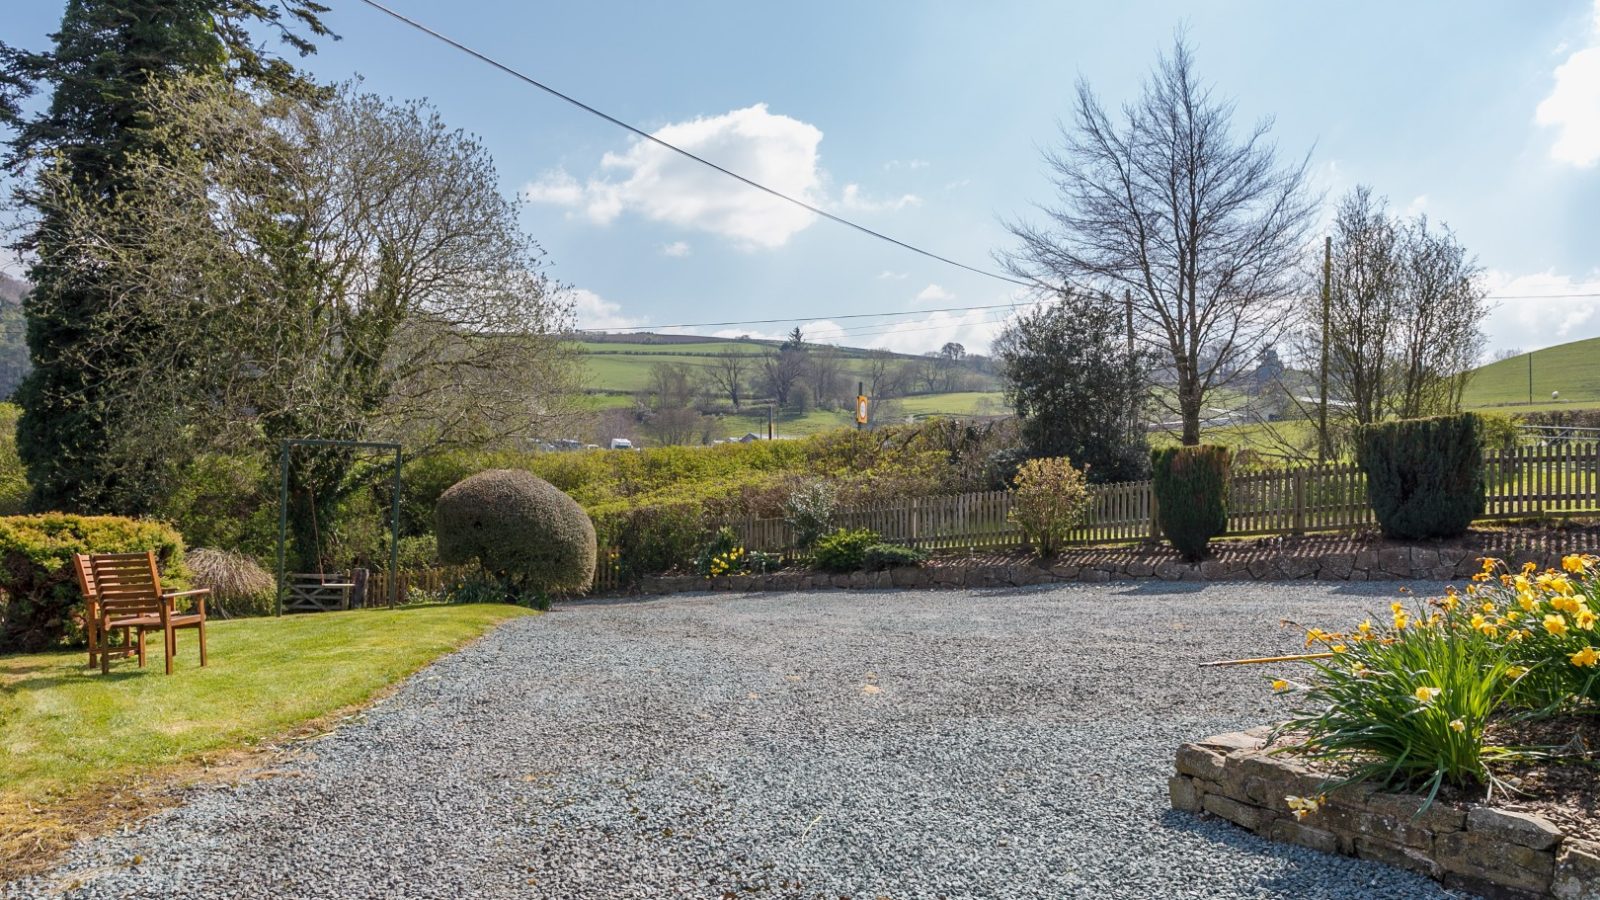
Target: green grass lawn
(65, 728)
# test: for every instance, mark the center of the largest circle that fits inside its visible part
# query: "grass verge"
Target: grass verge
(81, 751)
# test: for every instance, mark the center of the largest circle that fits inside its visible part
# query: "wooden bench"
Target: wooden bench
(127, 590)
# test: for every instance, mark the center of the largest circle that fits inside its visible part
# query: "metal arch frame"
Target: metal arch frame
(283, 506)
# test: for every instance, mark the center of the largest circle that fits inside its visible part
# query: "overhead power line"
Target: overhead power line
(812, 318)
(485, 58)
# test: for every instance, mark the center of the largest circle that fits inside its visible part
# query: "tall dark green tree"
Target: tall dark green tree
(106, 56)
(1079, 386)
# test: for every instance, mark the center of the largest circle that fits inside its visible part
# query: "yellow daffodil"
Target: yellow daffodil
(1279, 685)
(1338, 648)
(1527, 601)
(1457, 726)
(1555, 624)
(1516, 672)
(1574, 564)
(1427, 694)
(1585, 620)
(1585, 658)
(1365, 627)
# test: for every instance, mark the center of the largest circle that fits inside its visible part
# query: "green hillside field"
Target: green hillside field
(614, 370)
(1573, 369)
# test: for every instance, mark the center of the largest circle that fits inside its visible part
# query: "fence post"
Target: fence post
(1155, 517)
(913, 521)
(1299, 501)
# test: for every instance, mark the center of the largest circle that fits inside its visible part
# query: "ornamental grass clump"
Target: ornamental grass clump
(1049, 499)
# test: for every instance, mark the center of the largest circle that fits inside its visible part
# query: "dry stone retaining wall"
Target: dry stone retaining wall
(1494, 852)
(1282, 559)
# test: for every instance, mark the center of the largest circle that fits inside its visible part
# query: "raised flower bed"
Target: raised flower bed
(1458, 737)
(1482, 848)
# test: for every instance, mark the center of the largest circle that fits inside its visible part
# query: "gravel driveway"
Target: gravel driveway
(899, 744)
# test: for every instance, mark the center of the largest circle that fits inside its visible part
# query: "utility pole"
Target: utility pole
(1322, 375)
(1530, 376)
(1127, 303)
(772, 409)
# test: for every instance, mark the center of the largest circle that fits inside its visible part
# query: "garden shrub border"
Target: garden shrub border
(1309, 557)
(1479, 848)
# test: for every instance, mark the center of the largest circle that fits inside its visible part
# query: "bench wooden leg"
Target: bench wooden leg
(202, 630)
(172, 645)
(141, 648)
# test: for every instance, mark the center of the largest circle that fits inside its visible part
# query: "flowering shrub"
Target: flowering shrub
(1049, 499)
(724, 555)
(1406, 702)
(809, 510)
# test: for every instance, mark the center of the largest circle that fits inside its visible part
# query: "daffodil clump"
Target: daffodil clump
(727, 563)
(1405, 700)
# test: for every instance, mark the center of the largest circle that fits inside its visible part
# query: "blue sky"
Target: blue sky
(925, 121)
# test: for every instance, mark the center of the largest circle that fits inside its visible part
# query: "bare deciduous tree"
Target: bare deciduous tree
(340, 269)
(728, 373)
(1405, 308)
(1201, 228)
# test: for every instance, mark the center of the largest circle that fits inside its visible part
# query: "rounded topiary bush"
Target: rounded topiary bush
(528, 535)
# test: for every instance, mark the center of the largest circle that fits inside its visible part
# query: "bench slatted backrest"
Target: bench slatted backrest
(126, 583)
(85, 573)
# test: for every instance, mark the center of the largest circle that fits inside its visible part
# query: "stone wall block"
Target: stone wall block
(1241, 814)
(1184, 795)
(1577, 872)
(1481, 857)
(1291, 832)
(1522, 829)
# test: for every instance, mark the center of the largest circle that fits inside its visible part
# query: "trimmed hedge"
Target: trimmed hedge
(42, 607)
(1424, 476)
(528, 535)
(1191, 491)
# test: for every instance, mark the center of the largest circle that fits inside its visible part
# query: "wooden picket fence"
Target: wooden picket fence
(1527, 482)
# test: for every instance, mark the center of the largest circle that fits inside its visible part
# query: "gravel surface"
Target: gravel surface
(1008, 744)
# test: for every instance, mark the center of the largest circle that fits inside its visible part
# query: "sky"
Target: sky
(926, 121)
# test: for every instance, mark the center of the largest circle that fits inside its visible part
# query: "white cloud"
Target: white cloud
(652, 181)
(974, 329)
(934, 293)
(853, 200)
(596, 313)
(893, 164)
(1573, 106)
(887, 275)
(676, 249)
(1527, 324)
(1417, 206)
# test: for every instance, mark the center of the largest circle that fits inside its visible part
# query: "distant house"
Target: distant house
(750, 436)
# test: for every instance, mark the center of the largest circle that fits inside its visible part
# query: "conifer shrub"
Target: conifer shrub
(532, 539)
(1425, 477)
(42, 606)
(1191, 493)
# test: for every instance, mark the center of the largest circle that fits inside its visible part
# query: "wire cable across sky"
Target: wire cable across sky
(485, 58)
